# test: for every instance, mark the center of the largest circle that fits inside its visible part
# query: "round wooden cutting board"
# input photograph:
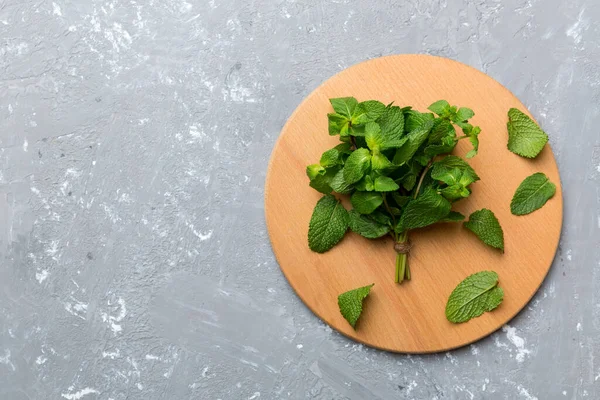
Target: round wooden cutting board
(410, 317)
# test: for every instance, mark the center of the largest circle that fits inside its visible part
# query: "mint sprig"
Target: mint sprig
(395, 165)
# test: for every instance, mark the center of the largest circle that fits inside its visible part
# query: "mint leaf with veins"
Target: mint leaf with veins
(351, 303)
(328, 224)
(525, 137)
(367, 226)
(472, 297)
(357, 165)
(485, 225)
(344, 106)
(532, 194)
(366, 202)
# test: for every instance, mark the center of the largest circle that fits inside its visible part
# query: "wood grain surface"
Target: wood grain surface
(410, 317)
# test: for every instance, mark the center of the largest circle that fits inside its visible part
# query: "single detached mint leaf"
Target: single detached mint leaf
(339, 184)
(351, 303)
(344, 105)
(366, 226)
(385, 184)
(366, 202)
(472, 297)
(525, 137)
(485, 225)
(440, 107)
(427, 209)
(328, 224)
(356, 165)
(532, 194)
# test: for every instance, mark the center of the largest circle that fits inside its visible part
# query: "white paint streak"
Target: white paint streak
(80, 394)
(256, 395)
(25, 145)
(6, 360)
(40, 360)
(576, 30)
(518, 342)
(112, 320)
(299, 346)
(474, 350)
(111, 354)
(152, 357)
(199, 235)
(41, 276)
(525, 394)
(56, 9)
(579, 327)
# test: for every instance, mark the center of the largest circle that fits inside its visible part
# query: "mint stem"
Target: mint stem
(402, 268)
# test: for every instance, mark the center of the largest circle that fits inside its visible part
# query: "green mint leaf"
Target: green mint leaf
(415, 120)
(366, 202)
(344, 106)
(409, 182)
(475, 142)
(373, 135)
(379, 161)
(313, 170)
(463, 114)
(455, 192)
(380, 217)
(427, 209)
(385, 184)
(392, 124)
(485, 225)
(532, 194)
(441, 108)
(472, 297)
(454, 216)
(357, 165)
(339, 185)
(446, 146)
(442, 170)
(400, 200)
(525, 137)
(367, 226)
(365, 184)
(351, 303)
(441, 129)
(328, 224)
(415, 139)
(368, 111)
(331, 157)
(337, 124)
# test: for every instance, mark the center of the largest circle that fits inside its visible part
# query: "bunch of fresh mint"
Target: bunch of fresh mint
(394, 163)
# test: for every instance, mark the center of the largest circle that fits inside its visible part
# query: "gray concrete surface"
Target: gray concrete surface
(134, 138)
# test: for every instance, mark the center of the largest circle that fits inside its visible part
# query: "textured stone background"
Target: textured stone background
(134, 139)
